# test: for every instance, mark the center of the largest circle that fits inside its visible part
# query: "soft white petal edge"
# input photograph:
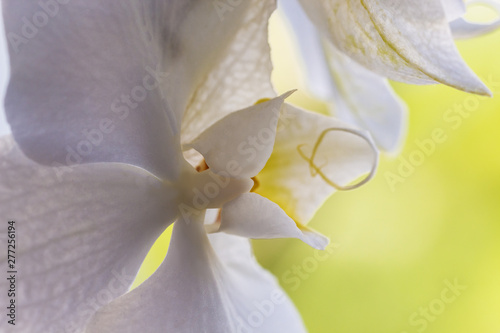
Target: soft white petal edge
(453, 8)
(461, 28)
(408, 41)
(268, 298)
(194, 290)
(253, 216)
(240, 144)
(367, 100)
(88, 88)
(4, 76)
(82, 232)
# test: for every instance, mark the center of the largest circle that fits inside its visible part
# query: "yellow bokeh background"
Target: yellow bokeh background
(399, 246)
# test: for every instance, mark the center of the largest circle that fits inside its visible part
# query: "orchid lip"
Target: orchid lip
(316, 170)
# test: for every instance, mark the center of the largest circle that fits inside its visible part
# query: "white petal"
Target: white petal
(405, 40)
(81, 235)
(358, 96)
(453, 9)
(260, 289)
(314, 64)
(462, 28)
(253, 216)
(242, 74)
(365, 99)
(83, 66)
(193, 291)
(299, 180)
(240, 144)
(85, 84)
(181, 296)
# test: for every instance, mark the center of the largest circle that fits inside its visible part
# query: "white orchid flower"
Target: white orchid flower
(106, 101)
(462, 28)
(350, 47)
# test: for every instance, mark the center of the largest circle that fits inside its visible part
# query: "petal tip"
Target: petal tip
(288, 94)
(486, 92)
(476, 86)
(315, 240)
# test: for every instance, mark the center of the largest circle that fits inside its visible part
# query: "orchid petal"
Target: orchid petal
(194, 291)
(82, 234)
(408, 41)
(314, 64)
(366, 100)
(86, 85)
(358, 96)
(124, 71)
(453, 9)
(313, 156)
(248, 280)
(243, 72)
(207, 190)
(462, 28)
(240, 144)
(253, 216)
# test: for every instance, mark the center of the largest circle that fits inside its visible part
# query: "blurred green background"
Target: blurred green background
(400, 247)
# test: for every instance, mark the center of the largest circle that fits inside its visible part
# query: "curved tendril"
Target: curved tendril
(315, 170)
